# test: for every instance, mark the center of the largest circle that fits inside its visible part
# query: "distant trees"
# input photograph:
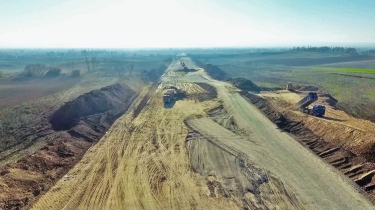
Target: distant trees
(1, 74)
(130, 67)
(325, 49)
(71, 67)
(40, 70)
(34, 70)
(94, 63)
(119, 67)
(75, 73)
(53, 71)
(370, 52)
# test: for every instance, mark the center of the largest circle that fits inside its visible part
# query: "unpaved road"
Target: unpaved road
(140, 163)
(143, 163)
(315, 184)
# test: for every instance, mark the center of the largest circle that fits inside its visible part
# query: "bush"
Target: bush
(76, 73)
(34, 70)
(53, 71)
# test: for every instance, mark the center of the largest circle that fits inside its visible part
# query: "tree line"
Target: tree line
(325, 49)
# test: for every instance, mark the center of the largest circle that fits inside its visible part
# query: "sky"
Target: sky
(185, 23)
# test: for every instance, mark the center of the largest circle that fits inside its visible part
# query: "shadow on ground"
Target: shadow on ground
(179, 96)
(169, 105)
(333, 119)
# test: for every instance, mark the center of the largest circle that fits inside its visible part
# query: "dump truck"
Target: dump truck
(317, 110)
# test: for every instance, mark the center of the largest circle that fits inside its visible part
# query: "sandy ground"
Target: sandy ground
(356, 134)
(140, 163)
(143, 163)
(346, 142)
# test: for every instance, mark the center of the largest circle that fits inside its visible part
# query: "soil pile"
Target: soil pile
(109, 101)
(329, 99)
(70, 131)
(355, 166)
(186, 70)
(154, 74)
(219, 74)
(215, 72)
(245, 84)
(210, 93)
(307, 88)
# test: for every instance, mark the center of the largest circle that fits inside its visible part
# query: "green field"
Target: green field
(346, 70)
(348, 78)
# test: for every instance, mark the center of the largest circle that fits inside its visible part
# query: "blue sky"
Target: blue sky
(185, 23)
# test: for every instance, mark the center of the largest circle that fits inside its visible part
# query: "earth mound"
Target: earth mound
(108, 101)
(187, 70)
(210, 93)
(329, 99)
(308, 88)
(154, 74)
(244, 84)
(215, 72)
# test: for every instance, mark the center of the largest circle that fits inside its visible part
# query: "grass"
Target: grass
(351, 83)
(346, 70)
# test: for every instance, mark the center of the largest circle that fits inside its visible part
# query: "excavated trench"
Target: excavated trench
(70, 131)
(65, 135)
(352, 165)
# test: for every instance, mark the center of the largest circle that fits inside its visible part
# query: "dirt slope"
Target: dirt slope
(342, 140)
(296, 167)
(24, 180)
(92, 103)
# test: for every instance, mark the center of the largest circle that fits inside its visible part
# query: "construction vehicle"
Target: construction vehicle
(289, 86)
(317, 110)
(169, 95)
(173, 93)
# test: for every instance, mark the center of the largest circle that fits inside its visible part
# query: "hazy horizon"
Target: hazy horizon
(185, 24)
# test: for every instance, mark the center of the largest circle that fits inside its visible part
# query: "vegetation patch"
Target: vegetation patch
(347, 70)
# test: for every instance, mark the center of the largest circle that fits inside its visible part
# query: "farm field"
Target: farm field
(348, 78)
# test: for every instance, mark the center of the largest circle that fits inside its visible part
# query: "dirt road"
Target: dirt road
(315, 184)
(140, 163)
(143, 163)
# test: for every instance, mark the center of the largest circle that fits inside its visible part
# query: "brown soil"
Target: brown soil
(78, 124)
(215, 72)
(319, 136)
(244, 84)
(243, 160)
(307, 88)
(85, 107)
(207, 94)
(140, 164)
(231, 174)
